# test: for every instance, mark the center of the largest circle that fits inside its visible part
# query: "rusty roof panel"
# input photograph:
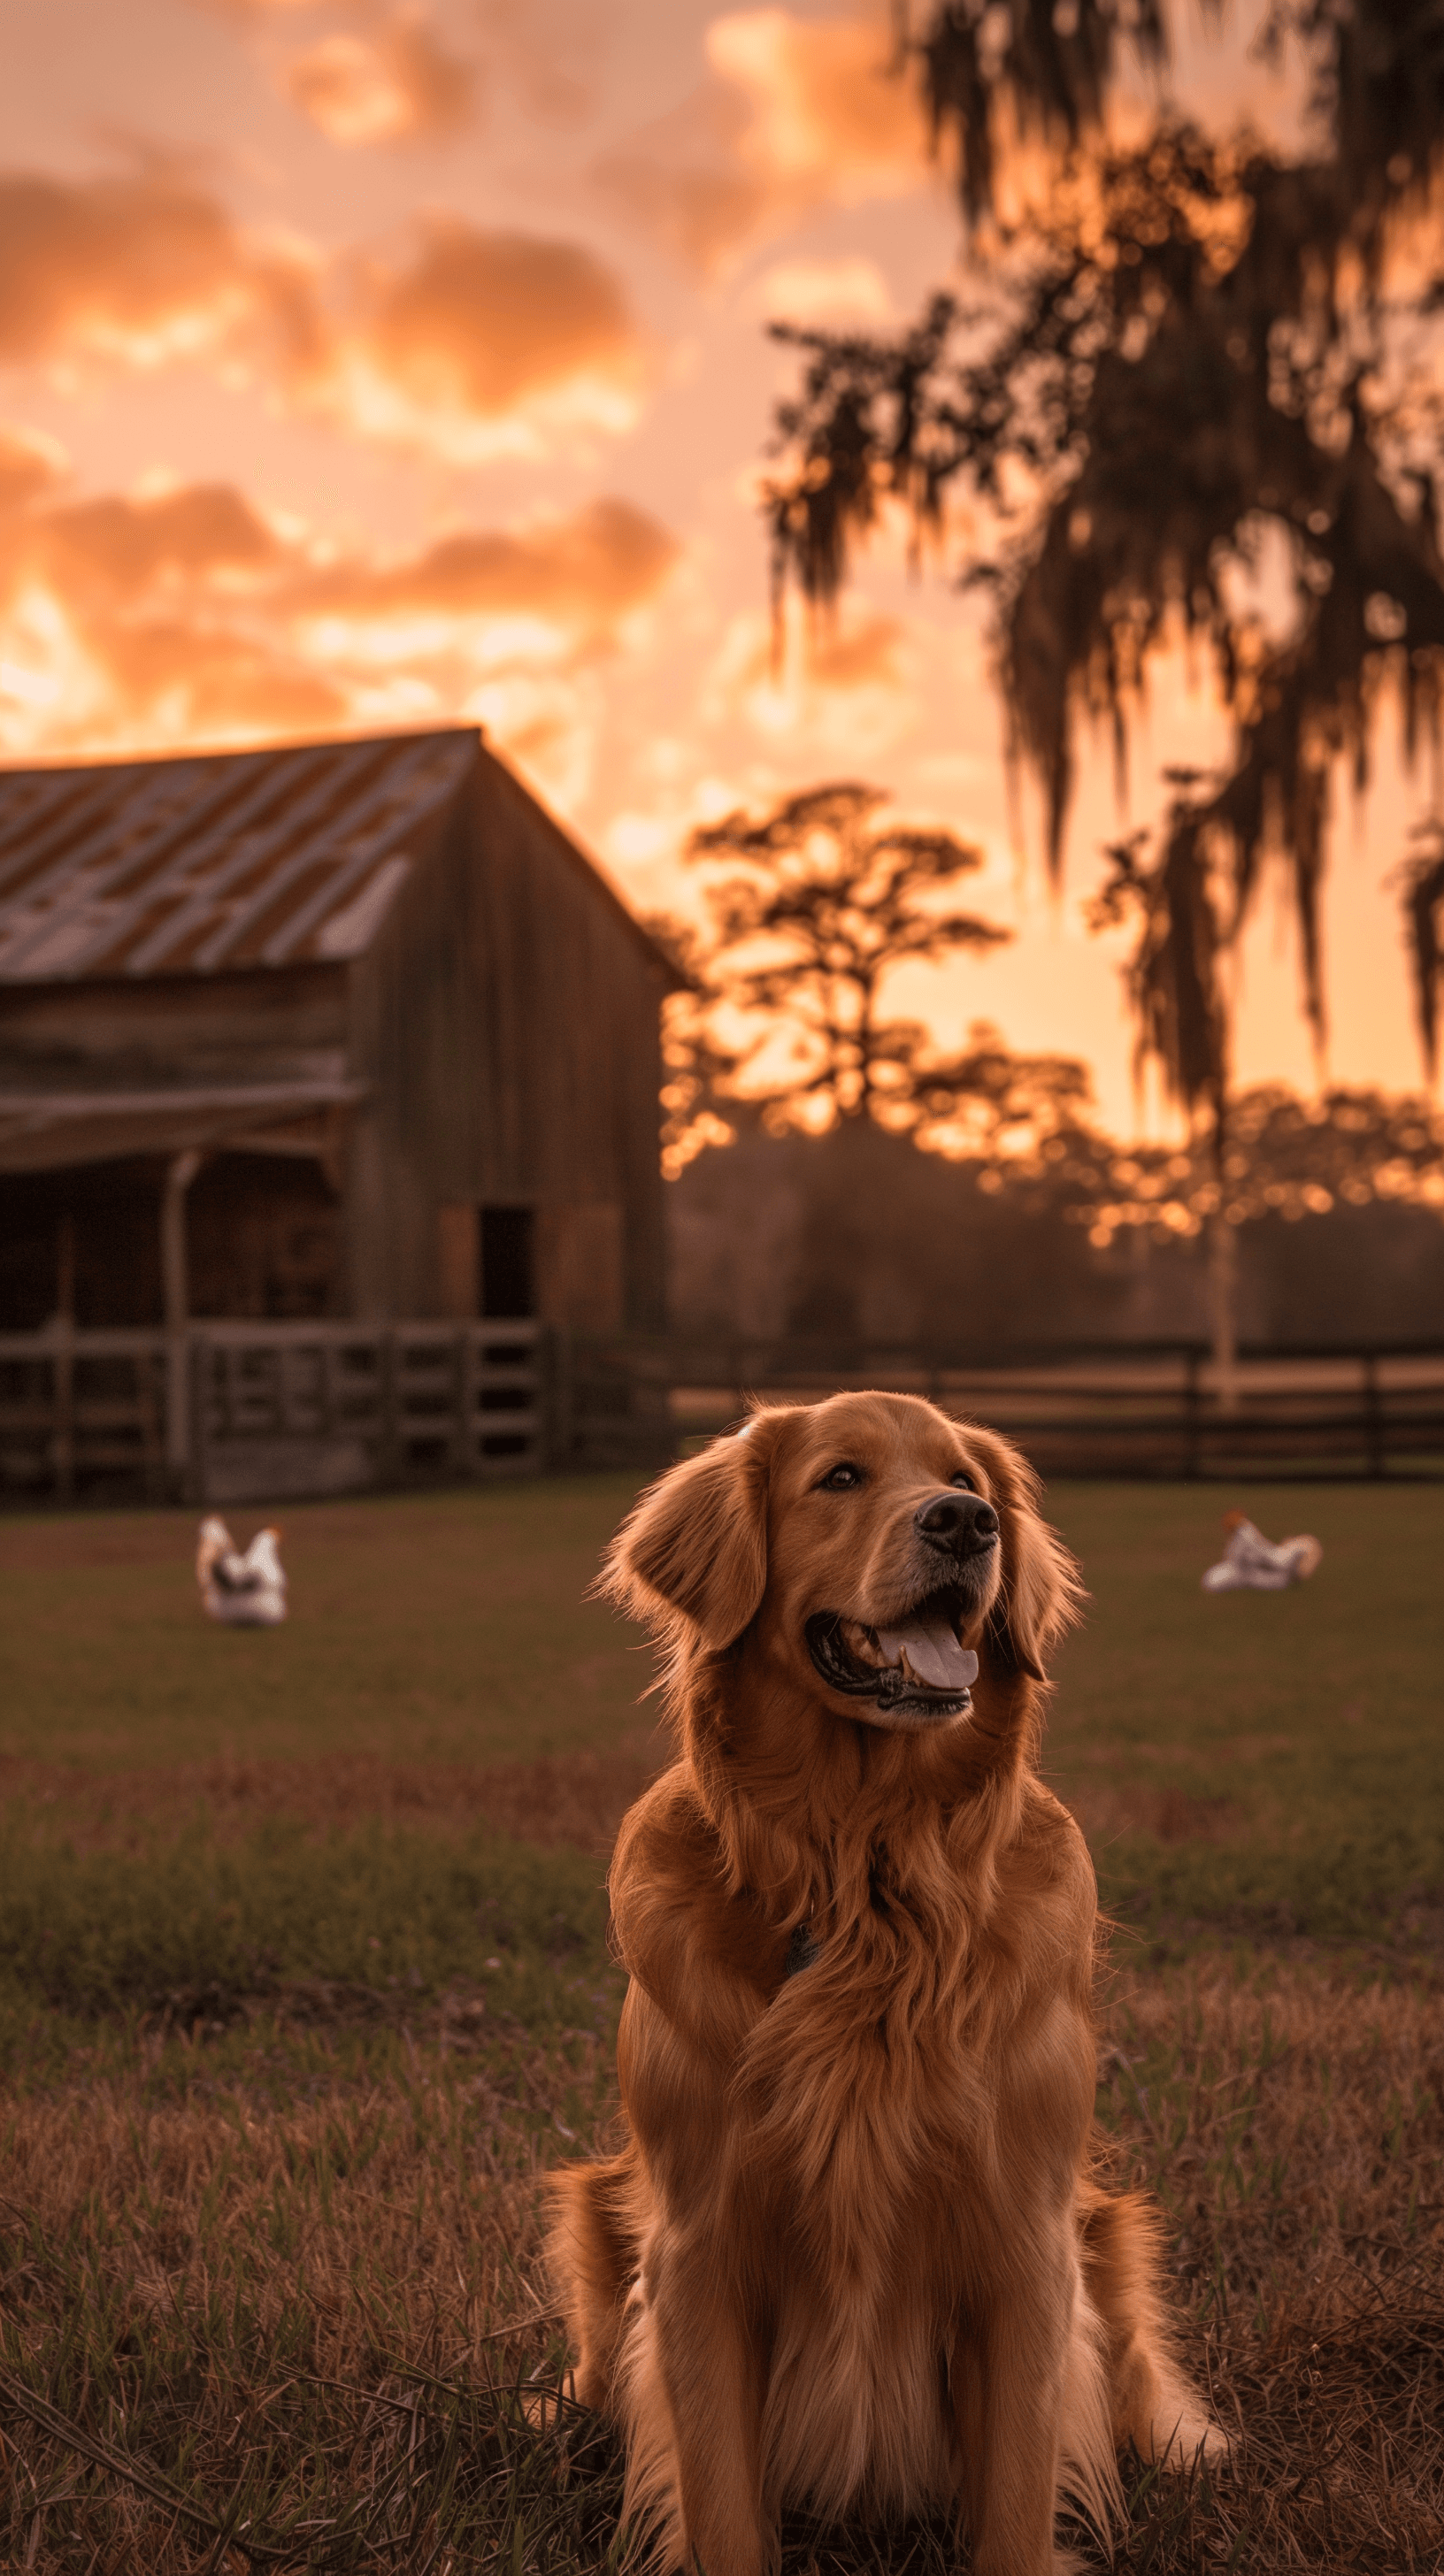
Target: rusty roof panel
(194, 866)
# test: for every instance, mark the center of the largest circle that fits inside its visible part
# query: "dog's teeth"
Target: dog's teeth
(860, 1641)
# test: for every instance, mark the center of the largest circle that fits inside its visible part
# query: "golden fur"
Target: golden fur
(853, 2254)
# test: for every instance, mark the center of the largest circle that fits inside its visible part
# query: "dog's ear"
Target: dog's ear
(1042, 1592)
(695, 1549)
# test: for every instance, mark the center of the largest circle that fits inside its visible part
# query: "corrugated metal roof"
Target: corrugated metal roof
(199, 866)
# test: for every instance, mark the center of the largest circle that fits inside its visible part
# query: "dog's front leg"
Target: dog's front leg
(1008, 2373)
(711, 2362)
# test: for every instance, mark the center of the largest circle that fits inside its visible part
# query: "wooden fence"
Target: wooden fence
(245, 1412)
(1135, 1410)
(256, 1412)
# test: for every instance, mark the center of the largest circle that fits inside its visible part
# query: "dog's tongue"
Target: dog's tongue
(933, 1652)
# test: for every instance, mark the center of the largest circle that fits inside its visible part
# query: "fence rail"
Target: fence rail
(1139, 1410)
(250, 1412)
(240, 1412)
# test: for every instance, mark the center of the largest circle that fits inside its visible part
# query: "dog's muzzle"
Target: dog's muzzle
(921, 1675)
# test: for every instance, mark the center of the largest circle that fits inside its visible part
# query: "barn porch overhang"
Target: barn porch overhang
(46, 1131)
(60, 1130)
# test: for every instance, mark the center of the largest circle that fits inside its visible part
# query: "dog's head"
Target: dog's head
(874, 1548)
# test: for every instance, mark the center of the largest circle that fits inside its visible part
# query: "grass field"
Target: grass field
(303, 1981)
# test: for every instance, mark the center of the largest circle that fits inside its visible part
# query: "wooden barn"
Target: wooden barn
(351, 1032)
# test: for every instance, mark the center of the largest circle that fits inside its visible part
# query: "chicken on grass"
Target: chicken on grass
(241, 1590)
(1252, 1563)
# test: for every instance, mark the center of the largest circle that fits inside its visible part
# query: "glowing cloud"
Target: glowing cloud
(797, 113)
(825, 290)
(842, 689)
(487, 343)
(140, 269)
(399, 85)
(468, 343)
(29, 465)
(184, 613)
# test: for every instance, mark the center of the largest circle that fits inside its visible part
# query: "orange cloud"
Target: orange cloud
(110, 547)
(257, 10)
(843, 686)
(139, 268)
(796, 113)
(398, 85)
(486, 342)
(359, 86)
(549, 53)
(184, 614)
(580, 575)
(468, 343)
(825, 291)
(29, 465)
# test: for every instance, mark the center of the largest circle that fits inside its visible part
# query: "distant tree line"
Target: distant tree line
(810, 910)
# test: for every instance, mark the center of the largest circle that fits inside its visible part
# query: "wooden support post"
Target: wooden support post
(390, 1449)
(1192, 1462)
(175, 1282)
(63, 1364)
(468, 1390)
(1223, 1267)
(148, 1414)
(326, 1389)
(201, 1374)
(1373, 1415)
(556, 1398)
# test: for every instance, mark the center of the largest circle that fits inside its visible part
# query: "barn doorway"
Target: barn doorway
(84, 1242)
(508, 1264)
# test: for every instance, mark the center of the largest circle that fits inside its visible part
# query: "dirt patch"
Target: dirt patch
(577, 1798)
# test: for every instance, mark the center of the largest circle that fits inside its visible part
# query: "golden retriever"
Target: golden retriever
(853, 2254)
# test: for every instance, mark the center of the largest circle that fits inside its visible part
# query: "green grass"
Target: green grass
(446, 1627)
(375, 1924)
(1289, 1745)
(1246, 1764)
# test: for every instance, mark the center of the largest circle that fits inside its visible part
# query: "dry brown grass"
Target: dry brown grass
(579, 1800)
(1292, 2127)
(266, 2293)
(244, 2287)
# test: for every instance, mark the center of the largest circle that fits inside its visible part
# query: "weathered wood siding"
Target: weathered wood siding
(506, 1019)
(273, 1024)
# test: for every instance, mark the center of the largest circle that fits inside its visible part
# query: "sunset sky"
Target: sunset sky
(368, 366)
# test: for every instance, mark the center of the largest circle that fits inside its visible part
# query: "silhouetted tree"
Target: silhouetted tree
(1423, 878)
(1193, 352)
(786, 1001)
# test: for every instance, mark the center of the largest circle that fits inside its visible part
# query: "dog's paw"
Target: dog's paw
(543, 2407)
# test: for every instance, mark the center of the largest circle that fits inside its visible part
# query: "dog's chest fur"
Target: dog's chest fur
(865, 2091)
(866, 2100)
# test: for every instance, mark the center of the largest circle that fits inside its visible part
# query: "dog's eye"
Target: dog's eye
(961, 1477)
(841, 1479)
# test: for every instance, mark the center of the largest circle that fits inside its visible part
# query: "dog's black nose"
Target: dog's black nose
(962, 1524)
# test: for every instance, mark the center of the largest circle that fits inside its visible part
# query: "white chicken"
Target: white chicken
(1252, 1563)
(241, 1591)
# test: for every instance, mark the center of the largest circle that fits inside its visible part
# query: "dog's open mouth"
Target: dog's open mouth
(915, 1668)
